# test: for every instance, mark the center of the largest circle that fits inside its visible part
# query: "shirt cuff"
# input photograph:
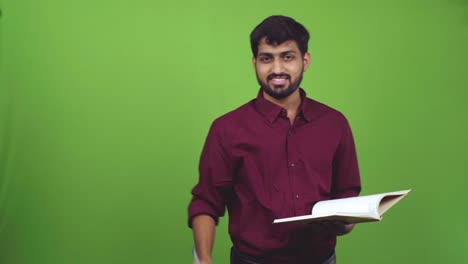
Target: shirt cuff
(199, 207)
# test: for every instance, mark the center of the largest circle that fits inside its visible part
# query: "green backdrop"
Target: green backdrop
(105, 105)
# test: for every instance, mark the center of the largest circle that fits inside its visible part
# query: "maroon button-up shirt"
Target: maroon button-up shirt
(261, 167)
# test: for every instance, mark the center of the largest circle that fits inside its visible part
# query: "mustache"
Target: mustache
(272, 76)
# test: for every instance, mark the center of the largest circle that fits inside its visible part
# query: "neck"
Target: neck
(290, 103)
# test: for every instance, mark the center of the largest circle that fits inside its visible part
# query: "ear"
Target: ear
(254, 62)
(306, 60)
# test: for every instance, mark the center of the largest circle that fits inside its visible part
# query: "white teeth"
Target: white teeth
(278, 81)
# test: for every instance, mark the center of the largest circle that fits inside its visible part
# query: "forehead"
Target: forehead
(265, 47)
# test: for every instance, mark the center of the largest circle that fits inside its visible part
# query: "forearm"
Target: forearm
(203, 227)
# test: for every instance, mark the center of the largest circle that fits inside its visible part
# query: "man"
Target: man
(275, 157)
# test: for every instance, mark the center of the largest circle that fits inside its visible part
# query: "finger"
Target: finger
(334, 228)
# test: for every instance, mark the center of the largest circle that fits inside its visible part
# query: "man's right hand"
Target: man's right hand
(202, 262)
(203, 227)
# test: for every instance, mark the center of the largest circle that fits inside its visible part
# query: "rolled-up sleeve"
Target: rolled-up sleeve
(214, 188)
(346, 178)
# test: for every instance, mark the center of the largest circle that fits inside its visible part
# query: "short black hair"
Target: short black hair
(277, 30)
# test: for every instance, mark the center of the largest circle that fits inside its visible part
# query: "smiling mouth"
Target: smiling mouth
(278, 80)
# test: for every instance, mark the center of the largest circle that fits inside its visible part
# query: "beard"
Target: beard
(278, 91)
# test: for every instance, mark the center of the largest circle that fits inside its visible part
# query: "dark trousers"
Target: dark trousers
(241, 258)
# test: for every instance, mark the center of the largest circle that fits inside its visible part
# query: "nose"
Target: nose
(277, 67)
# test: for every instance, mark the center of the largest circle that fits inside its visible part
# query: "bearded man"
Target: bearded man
(275, 157)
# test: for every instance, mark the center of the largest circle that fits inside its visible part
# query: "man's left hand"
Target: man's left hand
(336, 228)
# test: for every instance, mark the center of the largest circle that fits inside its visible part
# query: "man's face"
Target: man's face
(279, 68)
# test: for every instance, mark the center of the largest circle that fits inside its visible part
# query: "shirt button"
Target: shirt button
(290, 132)
(298, 196)
(293, 165)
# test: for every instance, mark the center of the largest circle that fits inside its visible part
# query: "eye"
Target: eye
(288, 57)
(265, 59)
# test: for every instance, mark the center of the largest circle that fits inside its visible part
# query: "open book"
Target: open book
(352, 210)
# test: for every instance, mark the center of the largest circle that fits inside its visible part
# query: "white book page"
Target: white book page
(356, 206)
(358, 209)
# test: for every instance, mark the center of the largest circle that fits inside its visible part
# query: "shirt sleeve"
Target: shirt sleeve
(214, 187)
(346, 179)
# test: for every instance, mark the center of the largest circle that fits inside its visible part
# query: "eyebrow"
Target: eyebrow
(271, 54)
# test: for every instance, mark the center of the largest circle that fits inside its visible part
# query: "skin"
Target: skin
(283, 59)
(203, 227)
(334, 228)
(285, 63)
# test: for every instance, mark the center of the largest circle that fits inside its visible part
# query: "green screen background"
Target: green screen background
(105, 105)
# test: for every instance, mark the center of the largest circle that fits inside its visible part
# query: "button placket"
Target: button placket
(295, 166)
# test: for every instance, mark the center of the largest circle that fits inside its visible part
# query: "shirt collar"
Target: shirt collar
(272, 111)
